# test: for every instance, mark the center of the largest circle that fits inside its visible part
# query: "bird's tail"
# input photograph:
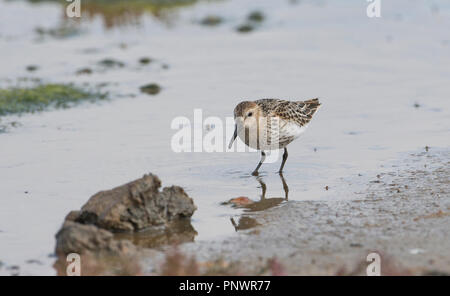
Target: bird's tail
(312, 105)
(313, 102)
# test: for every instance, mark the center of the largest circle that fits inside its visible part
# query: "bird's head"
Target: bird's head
(246, 116)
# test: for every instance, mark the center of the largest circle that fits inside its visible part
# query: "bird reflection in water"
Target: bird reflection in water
(247, 222)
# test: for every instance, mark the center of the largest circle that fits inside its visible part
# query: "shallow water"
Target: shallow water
(368, 74)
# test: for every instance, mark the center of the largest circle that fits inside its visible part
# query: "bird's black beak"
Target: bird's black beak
(234, 137)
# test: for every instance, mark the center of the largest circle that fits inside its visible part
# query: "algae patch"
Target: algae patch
(38, 98)
(119, 12)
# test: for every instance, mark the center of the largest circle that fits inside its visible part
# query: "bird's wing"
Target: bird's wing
(299, 112)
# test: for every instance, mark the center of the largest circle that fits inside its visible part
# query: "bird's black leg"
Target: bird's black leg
(263, 187)
(285, 186)
(285, 156)
(263, 157)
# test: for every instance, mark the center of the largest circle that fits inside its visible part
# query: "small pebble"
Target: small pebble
(145, 61)
(211, 20)
(245, 28)
(256, 16)
(151, 89)
(32, 68)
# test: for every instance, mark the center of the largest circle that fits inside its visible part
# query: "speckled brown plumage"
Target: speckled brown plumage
(300, 112)
(269, 124)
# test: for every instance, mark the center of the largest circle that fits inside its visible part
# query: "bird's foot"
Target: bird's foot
(255, 173)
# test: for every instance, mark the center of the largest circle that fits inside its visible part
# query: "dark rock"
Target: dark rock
(115, 228)
(136, 206)
(245, 28)
(72, 216)
(211, 20)
(151, 89)
(78, 238)
(32, 68)
(145, 61)
(256, 16)
(101, 253)
(111, 63)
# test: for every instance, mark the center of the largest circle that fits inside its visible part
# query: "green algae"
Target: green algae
(28, 100)
(119, 12)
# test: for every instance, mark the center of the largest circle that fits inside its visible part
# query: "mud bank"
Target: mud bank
(404, 215)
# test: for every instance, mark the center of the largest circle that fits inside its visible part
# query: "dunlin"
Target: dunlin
(270, 124)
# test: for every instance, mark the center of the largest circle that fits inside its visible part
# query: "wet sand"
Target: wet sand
(403, 215)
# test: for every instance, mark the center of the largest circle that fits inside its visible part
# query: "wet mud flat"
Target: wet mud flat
(404, 216)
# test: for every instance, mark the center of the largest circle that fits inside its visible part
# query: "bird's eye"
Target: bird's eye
(250, 114)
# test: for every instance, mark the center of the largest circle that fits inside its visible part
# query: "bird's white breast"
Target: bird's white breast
(269, 136)
(291, 129)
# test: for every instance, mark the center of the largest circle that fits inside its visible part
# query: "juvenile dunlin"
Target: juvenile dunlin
(270, 124)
